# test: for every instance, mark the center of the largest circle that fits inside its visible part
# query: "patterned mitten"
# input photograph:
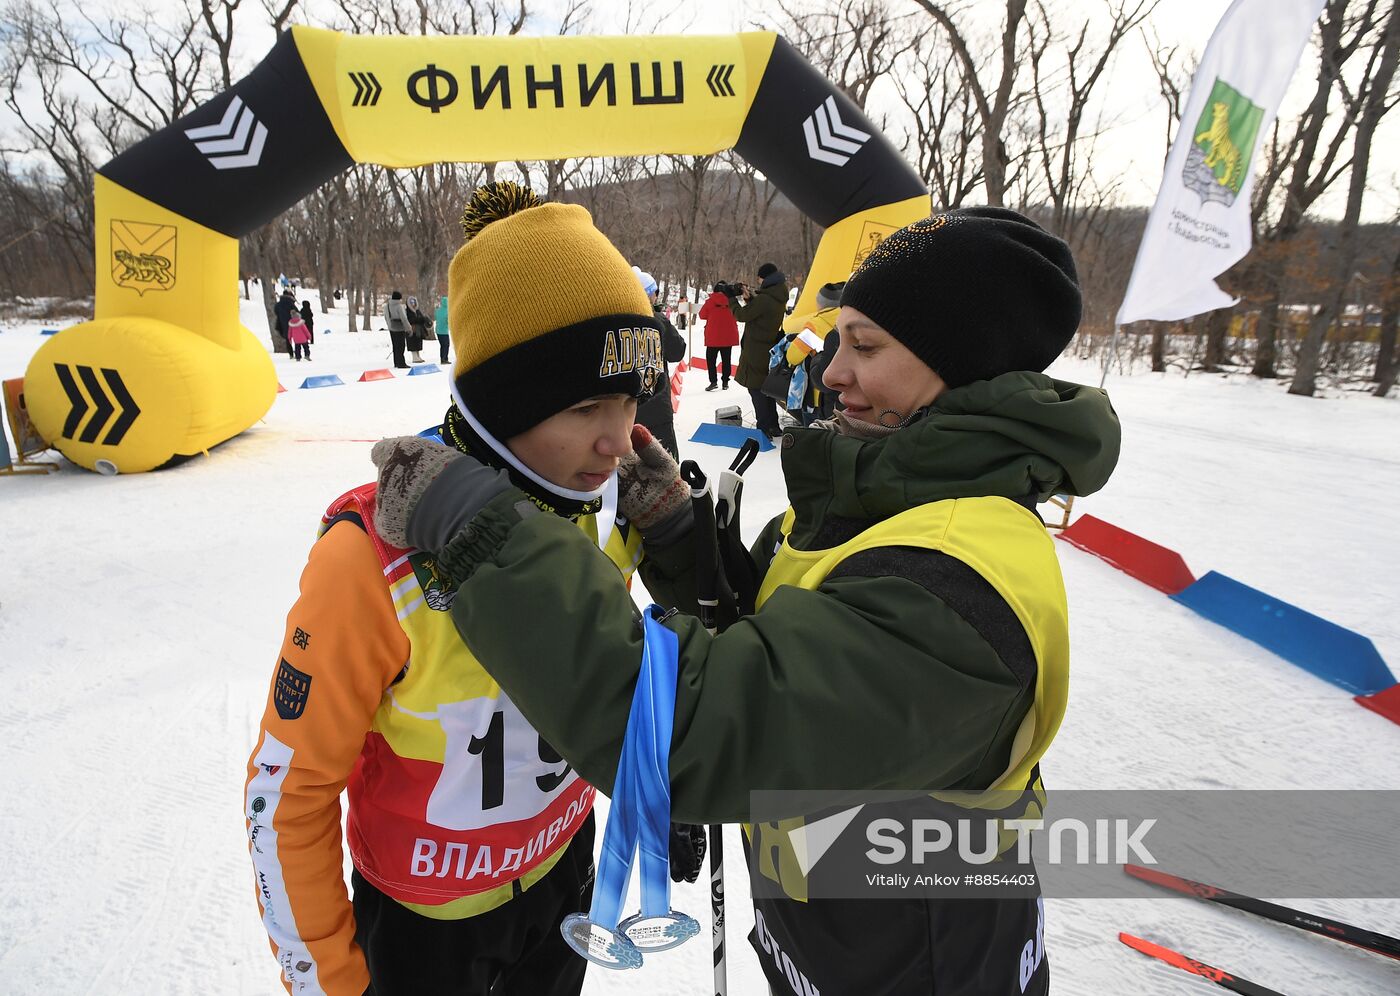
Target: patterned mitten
(651, 493)
(409, 510)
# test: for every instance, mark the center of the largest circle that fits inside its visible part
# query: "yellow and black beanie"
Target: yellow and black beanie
(974, 293)
(544, 312)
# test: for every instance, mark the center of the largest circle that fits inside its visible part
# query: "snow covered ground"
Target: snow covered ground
(140, 616)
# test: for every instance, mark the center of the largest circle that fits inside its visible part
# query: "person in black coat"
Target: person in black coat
(420, 326)
(282, 314)
(656, 414)
(309, 317)
(762, 313)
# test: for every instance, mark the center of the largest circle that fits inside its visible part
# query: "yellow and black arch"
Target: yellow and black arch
(165, 370)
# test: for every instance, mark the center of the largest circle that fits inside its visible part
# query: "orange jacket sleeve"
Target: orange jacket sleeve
(342, 648)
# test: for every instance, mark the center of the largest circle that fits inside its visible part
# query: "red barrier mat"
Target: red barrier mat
(1386, 702)
(1151, 564)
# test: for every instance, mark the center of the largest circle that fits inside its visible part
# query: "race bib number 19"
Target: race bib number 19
(496, 769)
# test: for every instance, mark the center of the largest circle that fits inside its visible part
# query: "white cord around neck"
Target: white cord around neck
(607, 491)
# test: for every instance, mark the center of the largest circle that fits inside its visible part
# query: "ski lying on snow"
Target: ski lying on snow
(1219, 976)
(1369, 940)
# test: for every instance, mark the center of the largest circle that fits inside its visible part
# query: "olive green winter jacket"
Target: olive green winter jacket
(762, 316)
(906, 671)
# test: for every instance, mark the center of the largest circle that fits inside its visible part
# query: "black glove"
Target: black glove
(687, 851)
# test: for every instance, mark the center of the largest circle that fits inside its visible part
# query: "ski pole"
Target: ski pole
(717, 905)
(707, 598)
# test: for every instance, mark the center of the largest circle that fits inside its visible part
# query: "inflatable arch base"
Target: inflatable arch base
(131, 394)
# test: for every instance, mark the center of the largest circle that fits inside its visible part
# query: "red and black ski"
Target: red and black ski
(1178, 960)
(1369, 940)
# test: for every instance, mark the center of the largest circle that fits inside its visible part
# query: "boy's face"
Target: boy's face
(580, 447)
(875, 373)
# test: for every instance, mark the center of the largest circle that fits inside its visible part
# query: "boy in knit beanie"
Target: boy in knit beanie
(470, 837)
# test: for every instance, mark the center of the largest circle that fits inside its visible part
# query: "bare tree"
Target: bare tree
(992, 107)
(1314, 168)
(430, 199)
(1386, 361)
(1173, 78)
(425, 17)
(945, 126)
(855, 43)
(1375, 100)
(690, 173)
(1063, 166)
(81, 87)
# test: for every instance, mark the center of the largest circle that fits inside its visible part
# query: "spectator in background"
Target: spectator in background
(444, 332)
(721, 334)
(299, 336)
(396, 317)
(309, 317)
(656, 414)
(281, 312)
(762, 313)
(815, 354)
(420, 326)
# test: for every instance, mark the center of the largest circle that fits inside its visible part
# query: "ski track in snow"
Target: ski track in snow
(140, 618)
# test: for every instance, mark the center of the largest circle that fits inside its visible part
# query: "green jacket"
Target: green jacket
(872, 681)
(763, 324)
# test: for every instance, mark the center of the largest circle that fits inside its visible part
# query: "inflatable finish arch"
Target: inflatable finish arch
(166, 371)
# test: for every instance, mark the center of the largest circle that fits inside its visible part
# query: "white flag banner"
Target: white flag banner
(1199, 226)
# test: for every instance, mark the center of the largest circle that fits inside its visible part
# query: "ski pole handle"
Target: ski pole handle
(706, 545)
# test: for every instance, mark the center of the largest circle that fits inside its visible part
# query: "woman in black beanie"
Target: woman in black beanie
(910, 631)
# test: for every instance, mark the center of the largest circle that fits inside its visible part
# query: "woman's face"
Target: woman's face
(876, 374)
(581, 446)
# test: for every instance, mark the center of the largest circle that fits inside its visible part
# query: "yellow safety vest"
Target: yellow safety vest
(1008, 546)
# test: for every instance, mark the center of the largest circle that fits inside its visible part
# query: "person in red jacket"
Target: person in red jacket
(721, 333)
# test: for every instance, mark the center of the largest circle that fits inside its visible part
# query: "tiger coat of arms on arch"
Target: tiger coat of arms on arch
(143, 255)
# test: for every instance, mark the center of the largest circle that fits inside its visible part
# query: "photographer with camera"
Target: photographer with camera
(721, 331)
(762, 313)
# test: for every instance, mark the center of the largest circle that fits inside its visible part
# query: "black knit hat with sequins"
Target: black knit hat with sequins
(973, 292)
